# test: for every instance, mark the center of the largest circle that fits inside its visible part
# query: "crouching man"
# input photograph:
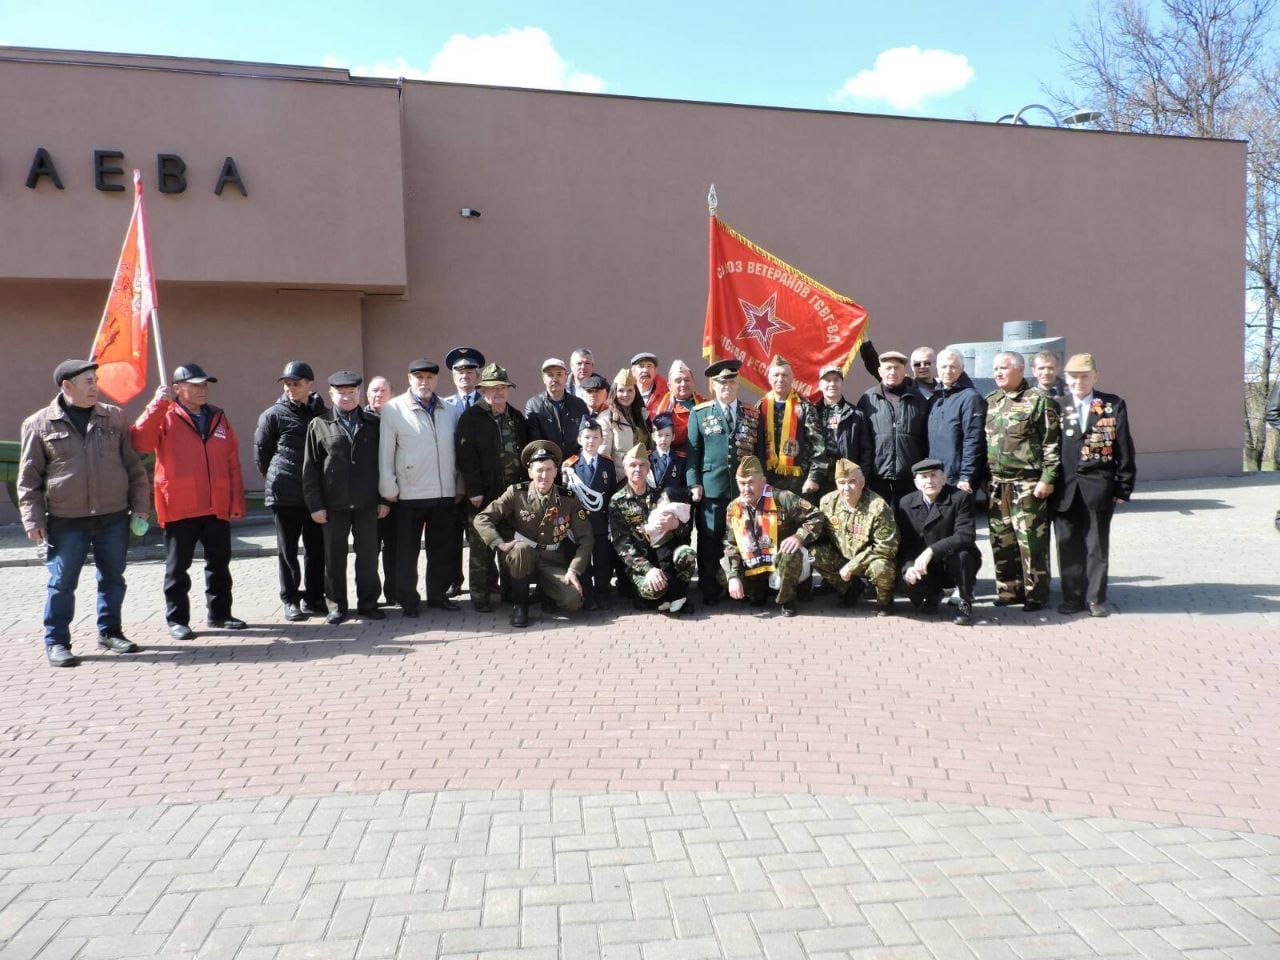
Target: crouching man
(862, 545)
(938, 550)
(526, 526)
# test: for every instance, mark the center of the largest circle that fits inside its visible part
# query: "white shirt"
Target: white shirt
(1082, 407)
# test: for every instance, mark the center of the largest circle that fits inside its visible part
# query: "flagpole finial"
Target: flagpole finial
(712, 200)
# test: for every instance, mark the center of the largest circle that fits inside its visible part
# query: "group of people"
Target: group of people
(632, 485)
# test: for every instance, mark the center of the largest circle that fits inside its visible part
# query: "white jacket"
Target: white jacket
(415, 449)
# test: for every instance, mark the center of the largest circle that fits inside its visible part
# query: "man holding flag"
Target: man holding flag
(790, 443)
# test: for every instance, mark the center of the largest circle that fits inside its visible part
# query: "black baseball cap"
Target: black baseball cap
(297, 370)
(192, 373)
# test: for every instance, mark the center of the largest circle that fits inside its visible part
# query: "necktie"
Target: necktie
(728, 415)
(466, 402)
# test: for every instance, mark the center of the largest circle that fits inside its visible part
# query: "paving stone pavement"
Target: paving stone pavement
(627, 786)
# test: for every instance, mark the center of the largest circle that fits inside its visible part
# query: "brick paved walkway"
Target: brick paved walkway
(629, 786)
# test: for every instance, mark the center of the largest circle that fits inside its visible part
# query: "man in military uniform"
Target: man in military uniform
(1022, 456)
(465, 364)
(766, 533)
(489, 439)
(527, 524)
(861, 545)
(790, 441)
(721, 432)
(654, 550)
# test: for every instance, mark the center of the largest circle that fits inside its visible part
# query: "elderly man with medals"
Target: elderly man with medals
(767, 532)
(790, 442)
(861, 548)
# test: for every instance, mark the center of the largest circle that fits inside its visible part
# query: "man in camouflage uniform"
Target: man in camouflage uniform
(790, 445)
(527, 524)
(766, 534)
(1022, 455)
(861, 544)
(660, 572)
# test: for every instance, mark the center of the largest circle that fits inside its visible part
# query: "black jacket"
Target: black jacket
(278, 447)
(340, 472)
(957, 425)
(900, 434)
(673, 477)
(948, 528)
(544, 423)
(478, 441)
(1097, 461)
(848, 435)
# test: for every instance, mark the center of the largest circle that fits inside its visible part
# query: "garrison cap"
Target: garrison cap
(594, 382)
(463, 357)
(297, 370)
(192, 373)
(624, 378)
(847, 468)
(723, 370)
(779, 361)
(345, 378)
(750, 467)
(540, 450)
(494, 375)
(423, 365)
(589, 423)
(894, 355)
(927, 465)
(638, 452)
(645, 355)
(70, 369)
(1081, 363)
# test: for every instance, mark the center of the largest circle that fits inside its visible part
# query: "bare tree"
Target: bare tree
(1199, 68)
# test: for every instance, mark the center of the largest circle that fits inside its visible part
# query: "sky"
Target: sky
(938, 59)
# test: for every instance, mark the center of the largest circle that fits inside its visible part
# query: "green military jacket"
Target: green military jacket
(866, 530)
(1022, 435)
(713, 453)
(628, 512)
(796, 517)
(546, 521)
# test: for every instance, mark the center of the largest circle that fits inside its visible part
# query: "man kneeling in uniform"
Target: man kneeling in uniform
(650, 539)
(527, 524)
(766, 531)
(862, 544)
(938, 549)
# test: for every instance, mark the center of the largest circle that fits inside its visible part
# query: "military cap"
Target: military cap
(589, 422)
(423, 365)
(638, 452)
(894, 355)
(345, 378)
(192, 373)
(723, 370)
(540, 450)
(463, 357)
(926, 465)
(624, 378)
(749, 467)
(554, 362)
(494, 375)
(594, 382)
(663, 420)
(779, 361)
(1081, 363)
(644, 355)
(297, 370)
(831, 368)
(847, 468)
(70, 369)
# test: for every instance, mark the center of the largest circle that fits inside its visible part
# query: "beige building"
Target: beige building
(346, 247)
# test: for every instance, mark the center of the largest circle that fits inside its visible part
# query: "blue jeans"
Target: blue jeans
(68, 549)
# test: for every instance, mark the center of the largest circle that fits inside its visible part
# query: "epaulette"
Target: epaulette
(704, 403)
(570, 461)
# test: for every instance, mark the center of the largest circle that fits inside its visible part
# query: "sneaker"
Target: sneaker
(678, 605)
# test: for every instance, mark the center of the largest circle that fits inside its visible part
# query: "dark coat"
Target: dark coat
(544, 423)
(673, 476)
(340, 472)
(1097, 457)
(278, 446)
(1273, 407)
(957, 423)
(605, 482)
(478, 441)
(901, 434)
(948, 528)
(848, 435)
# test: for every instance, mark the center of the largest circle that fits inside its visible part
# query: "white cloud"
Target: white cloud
(517, 58)
(904, 77)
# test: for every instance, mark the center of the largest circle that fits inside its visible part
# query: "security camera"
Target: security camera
(470, 213)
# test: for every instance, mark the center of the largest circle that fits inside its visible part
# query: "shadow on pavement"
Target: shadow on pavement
(1182, 505)
(1216, 598)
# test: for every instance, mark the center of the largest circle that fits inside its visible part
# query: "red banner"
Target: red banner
(759, 306)
(120, 345)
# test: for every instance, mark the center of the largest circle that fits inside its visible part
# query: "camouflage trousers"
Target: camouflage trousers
(829, 561)
(787, 566)
(1018, 526)
(679, 570)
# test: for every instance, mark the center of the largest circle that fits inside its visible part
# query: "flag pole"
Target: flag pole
(155, 328)
(713, 202)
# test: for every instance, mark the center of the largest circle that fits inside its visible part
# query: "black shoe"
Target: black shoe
(964, 614)
(229, 623)
(315, 609)
(60, 655)
(1002, 602)
(1031, 606)
(1067, 608)
(335, 618)
(409, 612)
(520, 615)
(1099, 610)
(591, 603)
(293, 613)
(930, 606)
(482, 604)
(180, 631)
(445, 604)
(884, 609)
(455, 590)
(371, 613)
(116, 642)
(789, 609)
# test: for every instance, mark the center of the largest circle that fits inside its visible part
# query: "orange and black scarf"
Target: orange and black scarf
(781, 460)
(755, 531)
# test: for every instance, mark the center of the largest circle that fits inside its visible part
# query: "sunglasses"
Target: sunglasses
(922, 363)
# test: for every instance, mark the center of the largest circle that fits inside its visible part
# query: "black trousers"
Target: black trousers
(387, 546)
(439, 518)
(362, 525)
(596, 581)
(709, 517)
(893, 489)
(1084, 545)
(296, 586)
(958, 570)
(180, 539)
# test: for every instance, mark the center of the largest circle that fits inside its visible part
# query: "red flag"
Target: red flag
(759, 306)
(120, 346)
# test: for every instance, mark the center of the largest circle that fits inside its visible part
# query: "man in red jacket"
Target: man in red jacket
(199, 491)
